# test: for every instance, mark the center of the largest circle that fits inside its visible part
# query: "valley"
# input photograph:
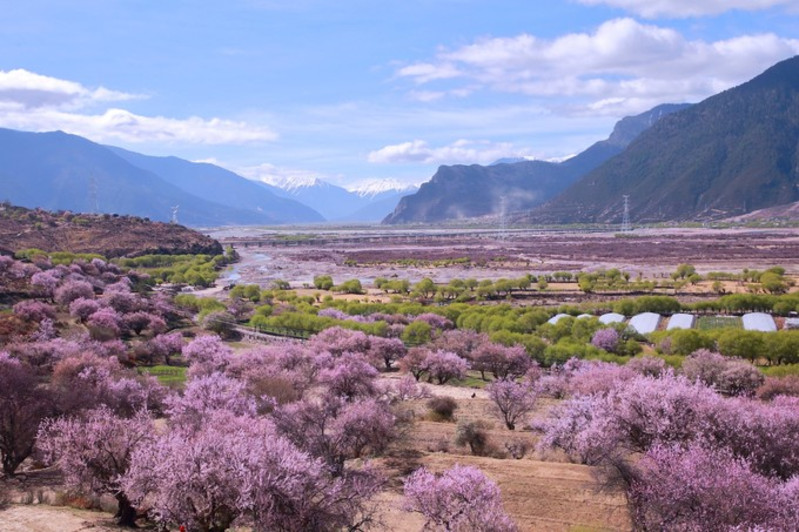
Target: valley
(297, 256)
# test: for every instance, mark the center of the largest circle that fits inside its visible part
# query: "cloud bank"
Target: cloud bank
(624, 66)
(691, 8)
(461, 151)
(34, 102)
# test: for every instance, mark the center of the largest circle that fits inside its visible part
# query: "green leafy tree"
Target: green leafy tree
(417, 333)
(324, 282)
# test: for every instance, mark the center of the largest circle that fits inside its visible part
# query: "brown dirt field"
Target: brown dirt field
(42, 518)
(539, 496)
(376, 252)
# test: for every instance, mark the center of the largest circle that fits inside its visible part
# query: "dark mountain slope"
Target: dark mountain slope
(468, 191)
(733, 153)
(57, 171)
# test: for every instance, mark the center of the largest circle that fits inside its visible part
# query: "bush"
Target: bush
(475, 435)
(775, 386)
(323, 282)
(353, 286)
(443, 408)
(732, 376)
(220, 322)
(606, 339)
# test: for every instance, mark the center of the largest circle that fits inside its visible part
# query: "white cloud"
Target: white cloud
(32, 90)
(34, 102)
(632, 65)
(691, 8)
(424, 72)
(461, 151)
(121, 125)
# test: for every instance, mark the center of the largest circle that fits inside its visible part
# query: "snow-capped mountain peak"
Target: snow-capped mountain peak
(294, 183)
(373, 187)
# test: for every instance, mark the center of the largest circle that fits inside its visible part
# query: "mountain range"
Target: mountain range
(337, 204)
(733, 153)
(460, 191)
(58, 171)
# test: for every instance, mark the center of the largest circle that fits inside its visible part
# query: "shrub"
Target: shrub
(517, 448)
(647, 366)
(353, 286)
(72, 290)
(323, 282)
(606, 339)
(728, 375)
(442, 407)
(220, 322)
(475, 435)
(775, 386)
(31, 310)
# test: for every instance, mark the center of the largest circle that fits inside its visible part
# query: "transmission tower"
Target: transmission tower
(94, 206)
(502, 220)
(625, 220)
(174, 219)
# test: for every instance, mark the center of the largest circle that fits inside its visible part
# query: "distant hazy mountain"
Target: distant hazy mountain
(57, 171)
(370, 203)
(509, 160)
(213, 183)
(733, 153)
(461, 191)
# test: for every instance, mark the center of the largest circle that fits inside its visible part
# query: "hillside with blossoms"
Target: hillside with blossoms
(104, 234)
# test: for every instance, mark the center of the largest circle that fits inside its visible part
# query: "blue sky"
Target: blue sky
(353, 90)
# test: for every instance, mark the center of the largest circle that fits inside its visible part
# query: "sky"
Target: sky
(354, 91)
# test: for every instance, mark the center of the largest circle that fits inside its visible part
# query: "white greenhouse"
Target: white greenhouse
(611, 317)
(759, 321)
(644, 323)
(556, 318)
(681, 321)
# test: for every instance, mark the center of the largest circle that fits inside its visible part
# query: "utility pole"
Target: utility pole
(174, 219)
